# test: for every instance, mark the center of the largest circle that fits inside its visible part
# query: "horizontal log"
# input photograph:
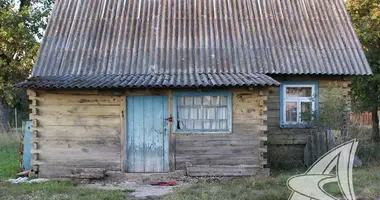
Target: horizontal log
(78, 110)
(52, 120)
(71, 172)
(81, 99)
(233, 151)
(108, 165)
(211, 143)
(78, 132)
(220, 170)
(212, 160)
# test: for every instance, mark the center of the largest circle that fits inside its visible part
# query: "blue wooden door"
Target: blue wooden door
(147, 134)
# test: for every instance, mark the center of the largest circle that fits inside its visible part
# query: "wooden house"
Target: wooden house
(155, 86)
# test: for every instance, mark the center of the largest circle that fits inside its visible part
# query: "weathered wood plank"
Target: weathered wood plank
(229, 137)
(79, 110)
(240, 150)
(71, 172)
(211, 160)
(78, 132)
(222, 170)
(182, 144)
(68, 99)
(51, 120)
(108, 165)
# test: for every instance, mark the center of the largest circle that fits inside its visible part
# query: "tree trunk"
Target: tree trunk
(4, 116)
(375, 124)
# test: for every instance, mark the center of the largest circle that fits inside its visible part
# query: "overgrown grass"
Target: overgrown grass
(366, 184)
(9, 155)
(57, 190)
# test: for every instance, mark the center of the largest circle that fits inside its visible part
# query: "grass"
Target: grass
(9, 155)
(57, 190)
(366, 183)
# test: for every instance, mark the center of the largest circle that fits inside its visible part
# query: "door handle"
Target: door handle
(170, 119)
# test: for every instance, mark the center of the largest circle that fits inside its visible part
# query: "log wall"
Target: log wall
(75, 133)
(243, 150)
(80, 133)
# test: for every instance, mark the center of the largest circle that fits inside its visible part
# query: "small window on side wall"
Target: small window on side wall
(299, 104)
(202, 112)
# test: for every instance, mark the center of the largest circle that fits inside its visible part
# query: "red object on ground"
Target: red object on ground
(155, 183)
(163, 183)
(172, 183)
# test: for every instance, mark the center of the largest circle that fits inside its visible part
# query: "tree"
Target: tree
(365, 15)
(20, 31)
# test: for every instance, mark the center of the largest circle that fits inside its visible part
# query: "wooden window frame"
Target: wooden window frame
(205, 131)
(284, 99)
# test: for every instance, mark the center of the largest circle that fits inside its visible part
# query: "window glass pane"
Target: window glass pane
(206, 100)
(189, 101)
(221, 113)
(224, 101)
(181, 101)
(197, 100)
(202, 113)
(291, 112)
(299, 92)
(306, 111)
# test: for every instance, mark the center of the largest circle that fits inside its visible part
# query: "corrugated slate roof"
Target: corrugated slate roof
(152, 80)
(140, 37)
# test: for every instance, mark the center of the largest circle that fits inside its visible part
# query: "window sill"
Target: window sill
(296, 126)
(203, 132)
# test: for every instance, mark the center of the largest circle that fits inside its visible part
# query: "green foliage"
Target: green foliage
(365, 15)
(60, 190)
(20, 30)
(333, 114)
(366, 182)
(9, 155)
(9, 167)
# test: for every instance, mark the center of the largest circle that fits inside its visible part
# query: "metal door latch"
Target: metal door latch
(170, 119)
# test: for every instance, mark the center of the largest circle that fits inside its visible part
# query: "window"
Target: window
(202, 112)
(299, 103)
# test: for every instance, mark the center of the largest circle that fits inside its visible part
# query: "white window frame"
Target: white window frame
(299, 100)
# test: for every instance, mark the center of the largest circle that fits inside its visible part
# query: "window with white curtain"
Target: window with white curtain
(202, 112)
(298, 103)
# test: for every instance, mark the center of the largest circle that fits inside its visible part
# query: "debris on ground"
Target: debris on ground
(163, 183)
(26, 180)
(24, 173)
(155, 189)
(357, 162)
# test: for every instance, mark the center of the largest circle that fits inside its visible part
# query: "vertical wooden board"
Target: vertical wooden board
(156, 137)
(123, 134)
(148, 143)
(138, 135)
(172, 136)
(130, 134)
(165, 135)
